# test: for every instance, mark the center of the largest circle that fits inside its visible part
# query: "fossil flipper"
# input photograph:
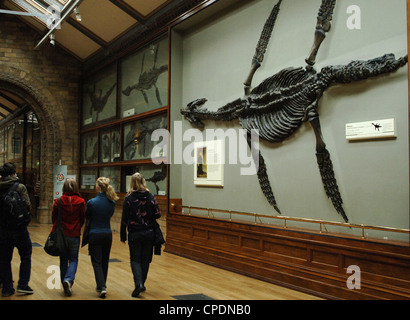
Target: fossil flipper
(329, 182)
(263, 176)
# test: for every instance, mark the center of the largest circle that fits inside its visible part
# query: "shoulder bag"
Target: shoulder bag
(56, 243)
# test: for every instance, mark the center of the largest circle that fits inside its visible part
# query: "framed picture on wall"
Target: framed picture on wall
(209, 163)
(144, 79)
(138, 144)
(100, 96)
(89, 148)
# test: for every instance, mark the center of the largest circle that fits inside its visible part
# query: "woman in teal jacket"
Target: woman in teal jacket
(98, 214)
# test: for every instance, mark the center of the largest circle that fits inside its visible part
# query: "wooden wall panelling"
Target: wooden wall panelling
(312, 263)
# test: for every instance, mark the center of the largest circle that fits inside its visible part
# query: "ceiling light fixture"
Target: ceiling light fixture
(77, 14)
(52, 39)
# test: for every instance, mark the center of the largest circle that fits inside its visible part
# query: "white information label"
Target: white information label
(375, 129)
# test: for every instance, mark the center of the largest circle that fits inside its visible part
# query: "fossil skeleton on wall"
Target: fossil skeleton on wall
(148, 78)
(279, 105)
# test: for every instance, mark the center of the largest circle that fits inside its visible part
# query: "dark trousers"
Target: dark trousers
(99, 248)
(8, 241)
(141, 249)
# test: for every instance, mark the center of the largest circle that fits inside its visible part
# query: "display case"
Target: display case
(138, 142)
(88, 178)
(123, 104)
(100, 96)
(144, 79)
(155, 177)
(89, 148)
(110, 144)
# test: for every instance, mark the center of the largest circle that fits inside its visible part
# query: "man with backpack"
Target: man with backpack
(14, 218)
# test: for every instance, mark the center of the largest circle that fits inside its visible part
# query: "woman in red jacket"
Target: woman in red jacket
(72, 219)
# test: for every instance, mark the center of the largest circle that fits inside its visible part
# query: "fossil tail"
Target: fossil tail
(329, 181)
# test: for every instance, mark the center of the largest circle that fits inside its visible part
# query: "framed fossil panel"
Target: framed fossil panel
(88, 178)
(110, 144)
(137, 142)
(144, 80)
(89, 147)
(100, 96)
(155, 177)
(114, 174)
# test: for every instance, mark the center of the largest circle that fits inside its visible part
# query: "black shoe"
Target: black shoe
(7, 294)
(25, 290)
(137, 291)
(67, 288)
(103, 293)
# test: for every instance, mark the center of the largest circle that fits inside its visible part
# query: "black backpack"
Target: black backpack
(15, 213)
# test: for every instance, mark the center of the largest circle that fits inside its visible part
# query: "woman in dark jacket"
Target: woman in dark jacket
(140, 210)
(72, 219)
(98, 214)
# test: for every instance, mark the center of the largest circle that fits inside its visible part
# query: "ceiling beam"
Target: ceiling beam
(88, 33)
(5, 108)
(11, 100)
(129, 10)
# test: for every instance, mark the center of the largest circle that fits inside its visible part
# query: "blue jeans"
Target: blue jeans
(69, 261)
(10, 240)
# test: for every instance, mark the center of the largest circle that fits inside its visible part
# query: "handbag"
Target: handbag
(158, 238)
(56, 243)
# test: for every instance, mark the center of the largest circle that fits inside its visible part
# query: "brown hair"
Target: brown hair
(70, 186)
(104, 184)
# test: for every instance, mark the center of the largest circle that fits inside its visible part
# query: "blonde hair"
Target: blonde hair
(104, 184)
(137, 183)
(70, 186)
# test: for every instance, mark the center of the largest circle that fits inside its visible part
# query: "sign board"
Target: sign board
(60, 174)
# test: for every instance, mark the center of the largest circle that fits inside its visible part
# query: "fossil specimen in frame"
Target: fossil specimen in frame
(279, 105)
(148, 78)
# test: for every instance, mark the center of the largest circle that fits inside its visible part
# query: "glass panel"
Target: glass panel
(155, 177)
(100, 96)
(2, 140)
(89, 147)
(18, 139)
(137, 139)
(36, 157)
(10, 136)
(114, 174)
(144, 79)
(88, 178)
(110, 145)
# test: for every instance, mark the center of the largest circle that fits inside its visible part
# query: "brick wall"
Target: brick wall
(49, 80)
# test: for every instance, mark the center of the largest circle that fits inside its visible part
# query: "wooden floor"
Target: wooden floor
(169, 276)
